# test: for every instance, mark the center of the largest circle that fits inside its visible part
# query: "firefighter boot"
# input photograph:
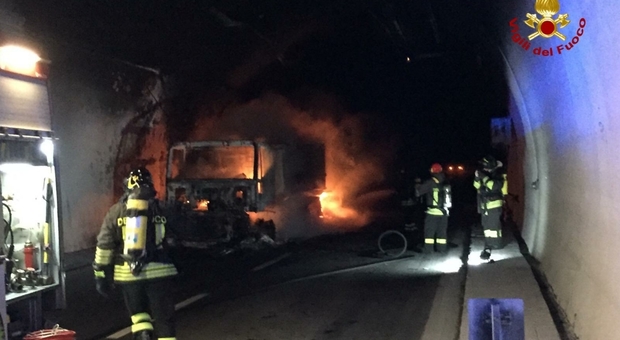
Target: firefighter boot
(143, 335)
(486, 254)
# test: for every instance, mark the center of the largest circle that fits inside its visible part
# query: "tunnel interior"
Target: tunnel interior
(391, 86)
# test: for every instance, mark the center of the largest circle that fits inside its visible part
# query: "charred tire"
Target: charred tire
(396, 252)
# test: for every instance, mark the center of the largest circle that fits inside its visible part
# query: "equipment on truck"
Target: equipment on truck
(31, 243)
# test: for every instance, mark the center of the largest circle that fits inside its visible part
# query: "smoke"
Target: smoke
(355, 169)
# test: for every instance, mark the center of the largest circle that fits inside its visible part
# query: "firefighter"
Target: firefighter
(438, 202)
(132, 253)
(492, 187)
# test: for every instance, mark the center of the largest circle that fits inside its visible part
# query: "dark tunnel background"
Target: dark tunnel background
(424, 78)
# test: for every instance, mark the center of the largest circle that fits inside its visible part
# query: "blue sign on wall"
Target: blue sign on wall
(496, 319)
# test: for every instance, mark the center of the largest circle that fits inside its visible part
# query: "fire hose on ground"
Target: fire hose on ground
(399, 251)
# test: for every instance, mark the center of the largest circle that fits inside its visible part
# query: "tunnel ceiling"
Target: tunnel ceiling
(421, 64)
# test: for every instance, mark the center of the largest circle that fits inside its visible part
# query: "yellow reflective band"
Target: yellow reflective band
(434, 212)
(143, 326)
(160, 232)
(103, 256)
(489, 185)
(495, 204)
(166, 338)
(490, 233)
(153, 270)
(99, 273)
(441, 241)
(429, 240)
(477, 184)
(140, 317)
(137, 204)
(505, 186)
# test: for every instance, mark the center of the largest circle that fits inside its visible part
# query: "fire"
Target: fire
(331, 206)
(202, 205)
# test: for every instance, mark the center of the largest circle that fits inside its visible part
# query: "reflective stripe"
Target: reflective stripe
(166, 338)
(160, 231)
(160, 228)
(489, 184)
(491, 233)
(505, 186)
(99, 273)
(103, 256)
(434, 212)
(429, 240)
(137, 204)
(494, 204)
(441, 241)
(153, 270)
(140, 317)
(477, 184)
(143, 326)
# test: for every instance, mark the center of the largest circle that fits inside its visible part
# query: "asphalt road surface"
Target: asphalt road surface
(333, 287)
(389, 300)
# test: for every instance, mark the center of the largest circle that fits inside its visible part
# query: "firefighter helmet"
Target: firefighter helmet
(436, 168)
(489, 163)
(139, 178)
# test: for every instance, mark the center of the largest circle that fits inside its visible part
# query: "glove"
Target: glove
(104, 287)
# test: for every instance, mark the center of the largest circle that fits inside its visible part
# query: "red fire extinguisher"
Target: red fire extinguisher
(28, 254)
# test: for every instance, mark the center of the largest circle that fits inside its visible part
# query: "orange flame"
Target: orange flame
(331, 207)
(202, 205)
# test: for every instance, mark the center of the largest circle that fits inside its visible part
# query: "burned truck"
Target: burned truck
(228, 191)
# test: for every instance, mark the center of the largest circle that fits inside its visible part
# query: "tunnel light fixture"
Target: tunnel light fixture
(47, 148)
(18, 59)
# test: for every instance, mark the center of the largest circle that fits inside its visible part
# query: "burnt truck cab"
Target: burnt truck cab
(213, 186)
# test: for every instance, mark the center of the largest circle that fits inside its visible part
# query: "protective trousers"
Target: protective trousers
(435, 232)
(151, 307)
(492, 226)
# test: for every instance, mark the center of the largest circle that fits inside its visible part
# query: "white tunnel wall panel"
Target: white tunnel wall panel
(570, 117)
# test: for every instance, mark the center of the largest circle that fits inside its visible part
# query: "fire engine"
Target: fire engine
(30, 245)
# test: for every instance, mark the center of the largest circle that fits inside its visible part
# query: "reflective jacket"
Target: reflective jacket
(110, 246)
(491, 191)
(433, 189)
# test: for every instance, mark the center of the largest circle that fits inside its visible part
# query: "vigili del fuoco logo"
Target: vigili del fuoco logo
(547, 26)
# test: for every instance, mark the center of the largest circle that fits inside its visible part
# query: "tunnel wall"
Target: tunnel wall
(565, 110)
(100, 121)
